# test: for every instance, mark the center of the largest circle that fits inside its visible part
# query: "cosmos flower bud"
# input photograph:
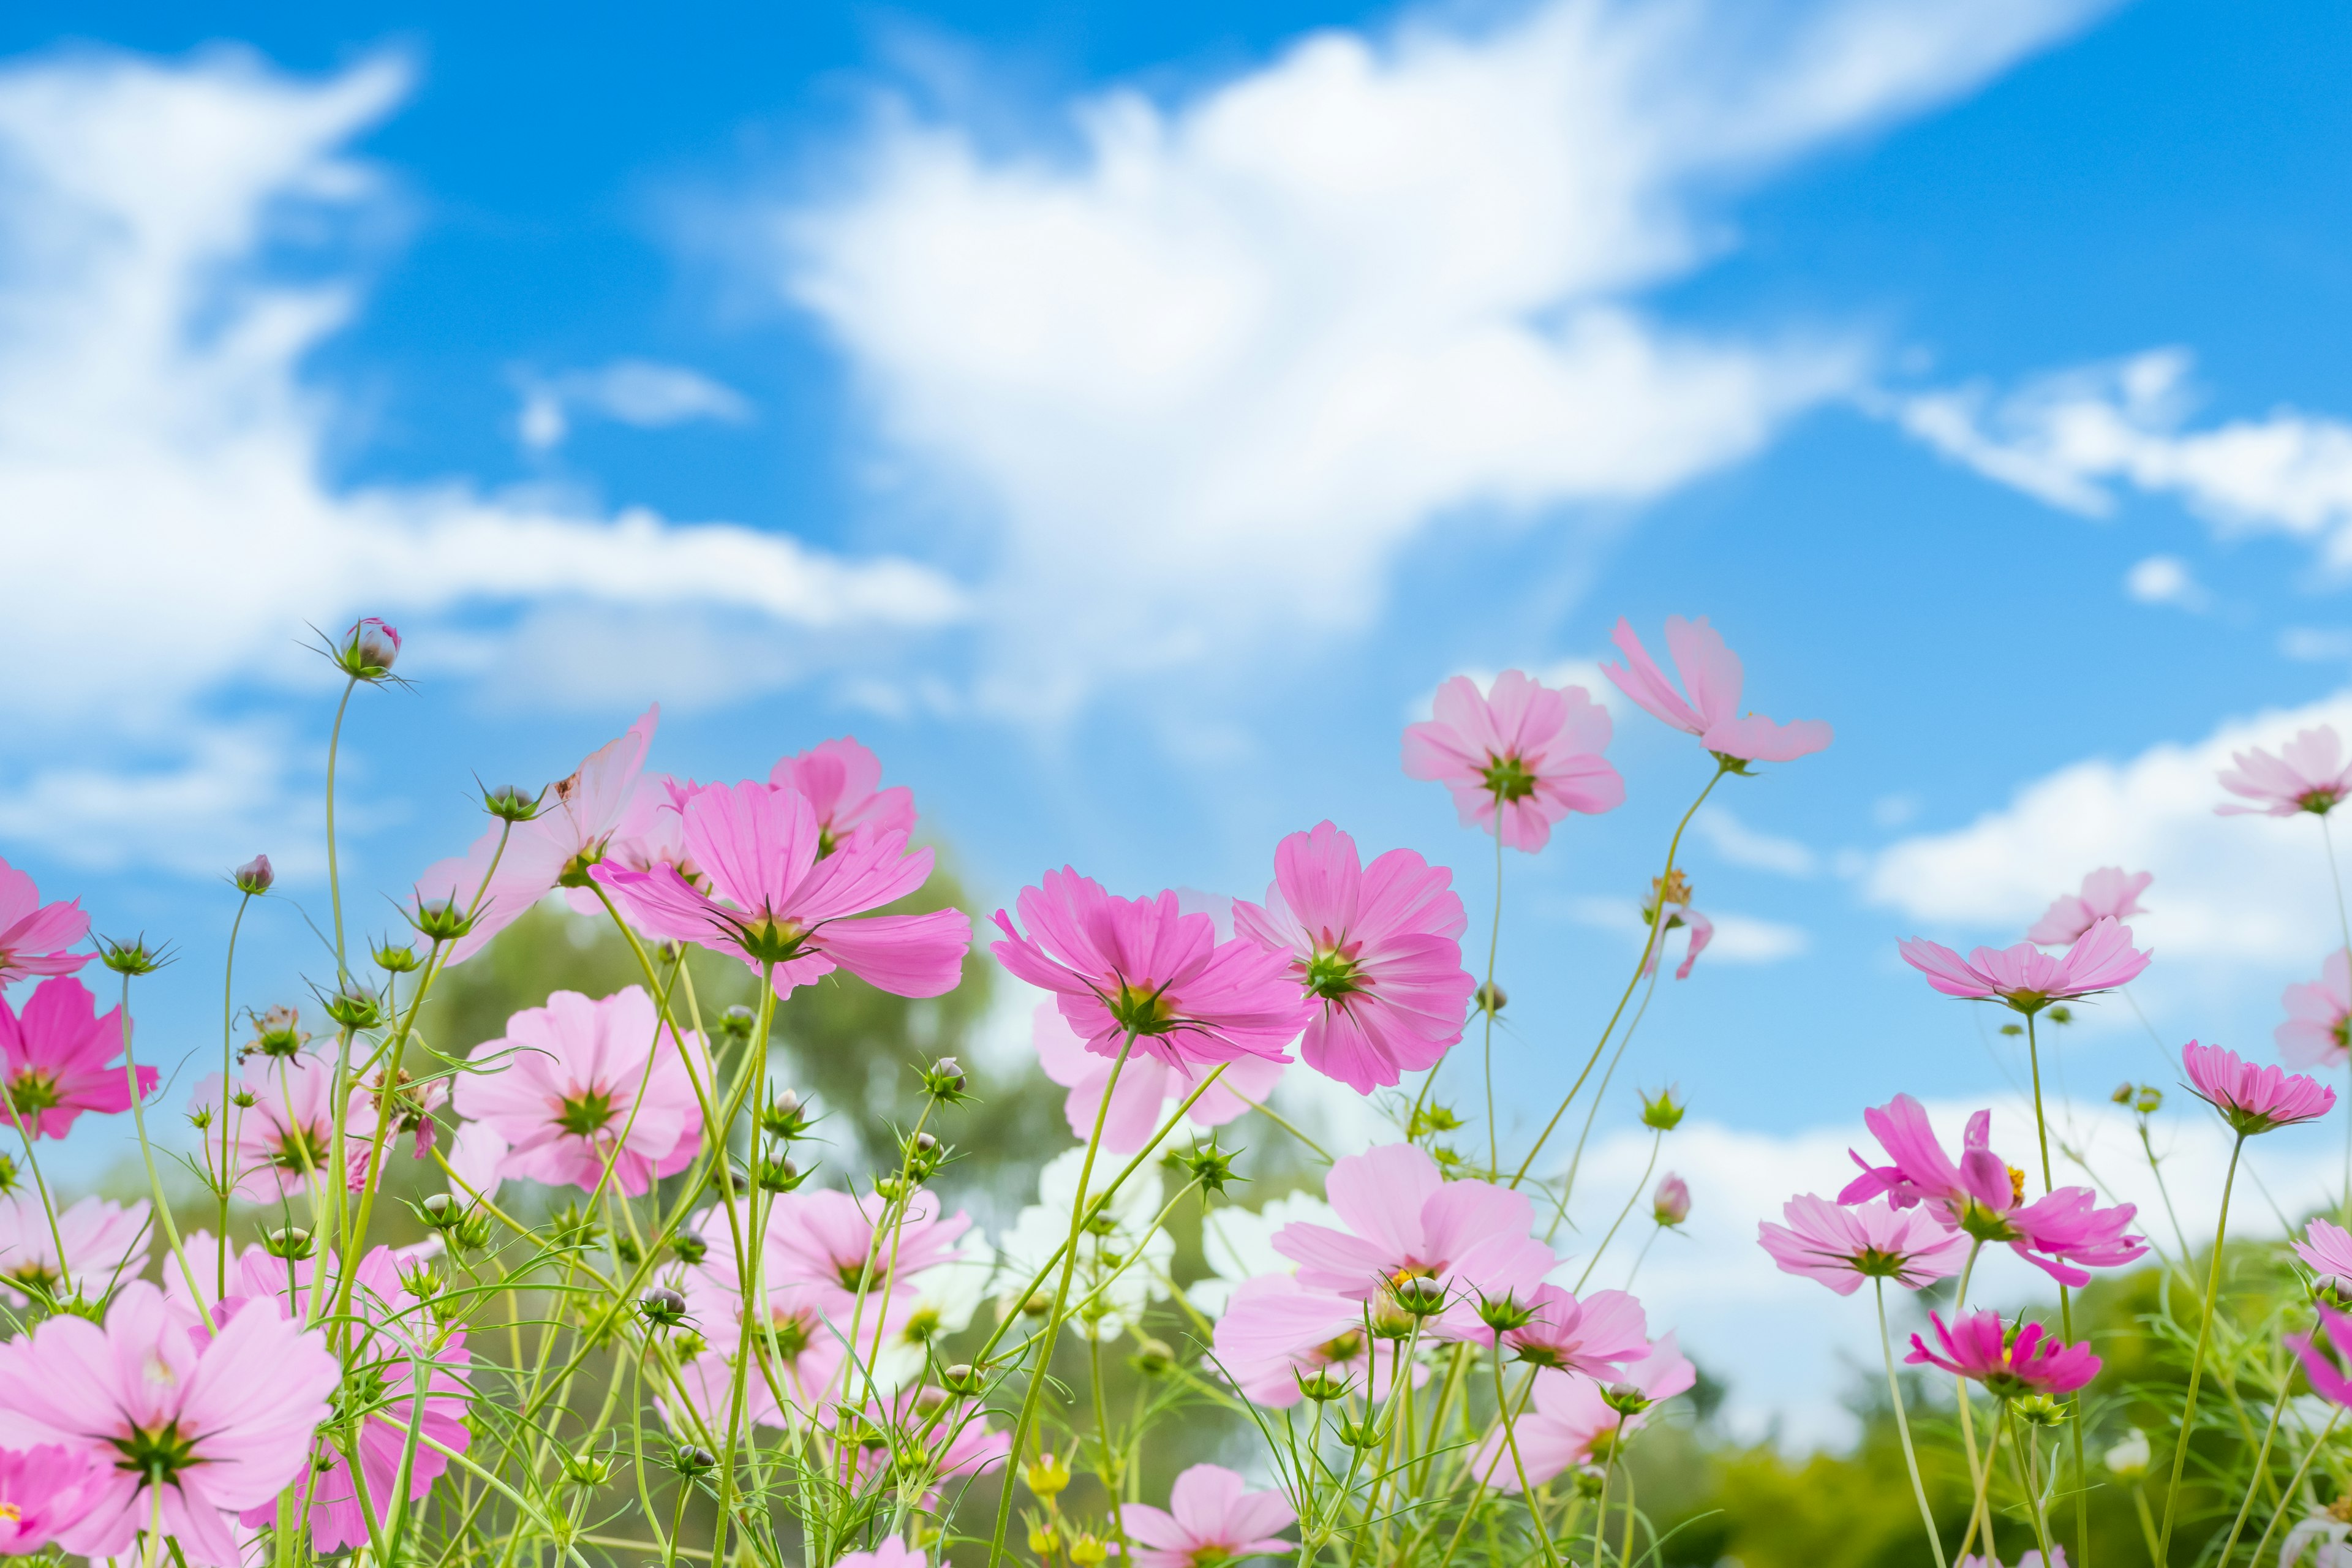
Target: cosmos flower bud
(2124, 1093)
(441, 920)
(508, 803)
(1152, 1358)
(785, 1117)
(689, 1248)
(930, 1398)
(355, 1006)
(1046, 1475)
(690, 1460)
(1504, 1313)
(737, 1022)
(2038, 1410)
(1625, 1398)
(2150, 1099)
(1089, 1551)
(1489, 997)
(961, 1380)
(292, 1241)
(1422, 1297)
(663, 1307)
(440, 1211)
(923, 1154)
(777, 1176)
(1210, 1167)
(1670, 1205)
(943, 1082)
(1323, 1386)
(253, 878)
(1043, 1541)
(1360, 1433)
(587, 1470)
(132, 957)
(1589, 1483)
(1665, 1114)
(8, 1176)
(278, 1032)
(394, 958)
(368, 650)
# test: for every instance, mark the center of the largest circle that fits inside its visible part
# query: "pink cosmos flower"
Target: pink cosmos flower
(2318, 1027)
(1276, 1330)
(772, 900)
(699, 1401)
(42, 1492)
(892, 1553)
(1406, 1222)
(2009, 1360)
(568, 1087)
(2252, 1100)
(1378, 951)
(802, 1345)
(105, 1243)
(1595, 1336)
(2033, 1558)
(280, 1124)
(957, 1448)
(1142, 965)
(1675, 916)
(840, 779)
(61, 1058)
(34, 936)
(2309, 774)
(1529, 752)
(2326, 1369)
(827, 1240)
(2108, 894)
(1146, 1085)
(1841, 1247)
(2024, 976)
(1572, 1422)
(2327, 1249)
(1712, 674)
(224, 1425)
(1210, 1522)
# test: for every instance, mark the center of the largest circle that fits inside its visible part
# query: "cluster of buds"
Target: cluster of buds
(465, 1228)
(2144, 1099)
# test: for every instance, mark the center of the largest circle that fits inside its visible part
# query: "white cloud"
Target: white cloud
(1738, 939)
(2167, 580)
(2316, 645)
(1561, 672)
(1216, 368)
(631, 391)
(1743, 846)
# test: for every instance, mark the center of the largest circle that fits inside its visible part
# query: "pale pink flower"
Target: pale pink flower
(225, 1425)
(2252, 1100)
(105, 1243)
(2327, 1370)
(2309, 773)
(1702, 931)
(958, 1446)
(1377, 950)
(802, 1347)
(842, 781)
(2024, 976)
(1571, 1421)
(43, 1491)
(61, 1058)
(577, 1083)
(1209, 1520)
(34, 936)
(2109, 893)
(772, 900)
(1671, 1204)
(1712, 674)
(2033, 1558)
(1276, 1330)
(829, 1241)
(1595, 1336)
(2318, 1027)
(1841, 1247)
(1146, 1085)
(1143, 967)
(698, 1403)
(2327, 1247)
(2010, 1359)
(284, 1138)
(1523, 749)
(892, 1553)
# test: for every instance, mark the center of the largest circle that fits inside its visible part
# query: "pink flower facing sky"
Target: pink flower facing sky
(61, 1058)
(802, 1344)
(2109, 893)
(1146, 1085)
(1378, 949)
(2318, 1028)
(2309, 773)
(1524, 750)
(773, 899)
(2325, 1370)
(2024, 976)
(2327, 1249)
(104, 1243)
(568, 1088)
(828, 1240)
(1276, 1330)
(842, 779)
(2008, 1358)
(1713, 676)
(42, 1491)
(1570, 1423)
(958, 1447)
(1841, 1247)
(1596, 1336)
(1118, 966)
(34, 936)
(202, 1431)
(2252, 1100)
(285, 1137)
(1211, 1519)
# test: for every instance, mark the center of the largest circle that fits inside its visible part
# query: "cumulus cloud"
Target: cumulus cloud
(628, 391)
(1744, 846)
(1738, 939)
(1215, 368)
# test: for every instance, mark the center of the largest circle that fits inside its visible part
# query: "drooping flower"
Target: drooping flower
(2008, 1358)
(1841, 1247)
(2309, 773)
(2327, 1248)
(2025, 977)
(1713, 676)
(576, 1083)
(1276, 1332)
(1668, 907)
(1523, 750)
(1123, 1258)
(1596, 1336)
(199, 1432)
(842, 781)
(2252, 1100)
(62, 1058)
(1146, 1085)
(105, 1243)
(1143, 967)
(34, 936)
(1211, 1519)
(2109, 893)
(2318, 1027)
(1238, 1246)
(2327, 1369)
(772, 900)
(43, 1490)
(280, 1117)
(1571, 1421)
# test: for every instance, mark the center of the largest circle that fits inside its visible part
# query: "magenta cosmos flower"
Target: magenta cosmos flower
(60, 1058)
(105, 1243)
(772, 900)
(2008, 1358)
(2024, 976)
(43, 1491)
(2326, 1369)
(2109, 893)
(1276, 1332)
(279, 1118)
(2318, 1027)
(1211, 1519)
(1146, 1085)
(1377, 950)
(2309, 774)
(1712, 674)
(34, 936)
(1841, 1247)
(1596, 1335)
(842, 779)
(1523, 750)
(199, 1431)
(1571, 1421)
(2252, 1100)
(1142, 967)
(577, 1083)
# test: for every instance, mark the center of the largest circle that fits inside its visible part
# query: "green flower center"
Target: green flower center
(30, 1092)
(2319, 801)
(1143, 1009)
(301, 1149)
(586, 1116)
(770, 941)
(1347, 1347)
(1508, 778)
(161, 1455)
(1332, 974)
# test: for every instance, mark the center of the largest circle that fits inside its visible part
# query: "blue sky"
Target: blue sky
(1123, 417)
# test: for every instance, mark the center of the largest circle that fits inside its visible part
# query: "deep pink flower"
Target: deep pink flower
(2108, 894)
(568, 1088)
(1572, 1422)
(34, 936)
(1146, 1085)
(2326, 1369)
(282, 1136)
(2252, 1100)
(2318, 1027)
(105, 1243)
(1378, 949)
(772, 900)
(2327, 1249)
(1209, 1520)
(1713, 678)
(1841, 1247)
(1524, 749)
(2024, 976)
(2010, 1359)
(1142, 965)
(1595, 1336)
(2309, 774)
(1276, 1330)
(842, 779)
(43, 1491)
(61, 1058)
(226, 1424)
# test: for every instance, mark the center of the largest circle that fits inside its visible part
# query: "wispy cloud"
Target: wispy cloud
(630, 391)
(1744, 846)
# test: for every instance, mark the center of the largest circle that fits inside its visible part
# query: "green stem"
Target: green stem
(228, 1067)
(2295, 1484)
(334, 879)
(2261, 1469)
(1493, 947)
(147, 1155)
(1903, 1427)
(2197, 1365)
(2066, 1313)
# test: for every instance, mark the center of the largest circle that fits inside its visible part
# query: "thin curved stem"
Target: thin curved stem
(1903, 1427)
(2197, 1365)
(335, 877)
(2295, 1482)
(1493, 947)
